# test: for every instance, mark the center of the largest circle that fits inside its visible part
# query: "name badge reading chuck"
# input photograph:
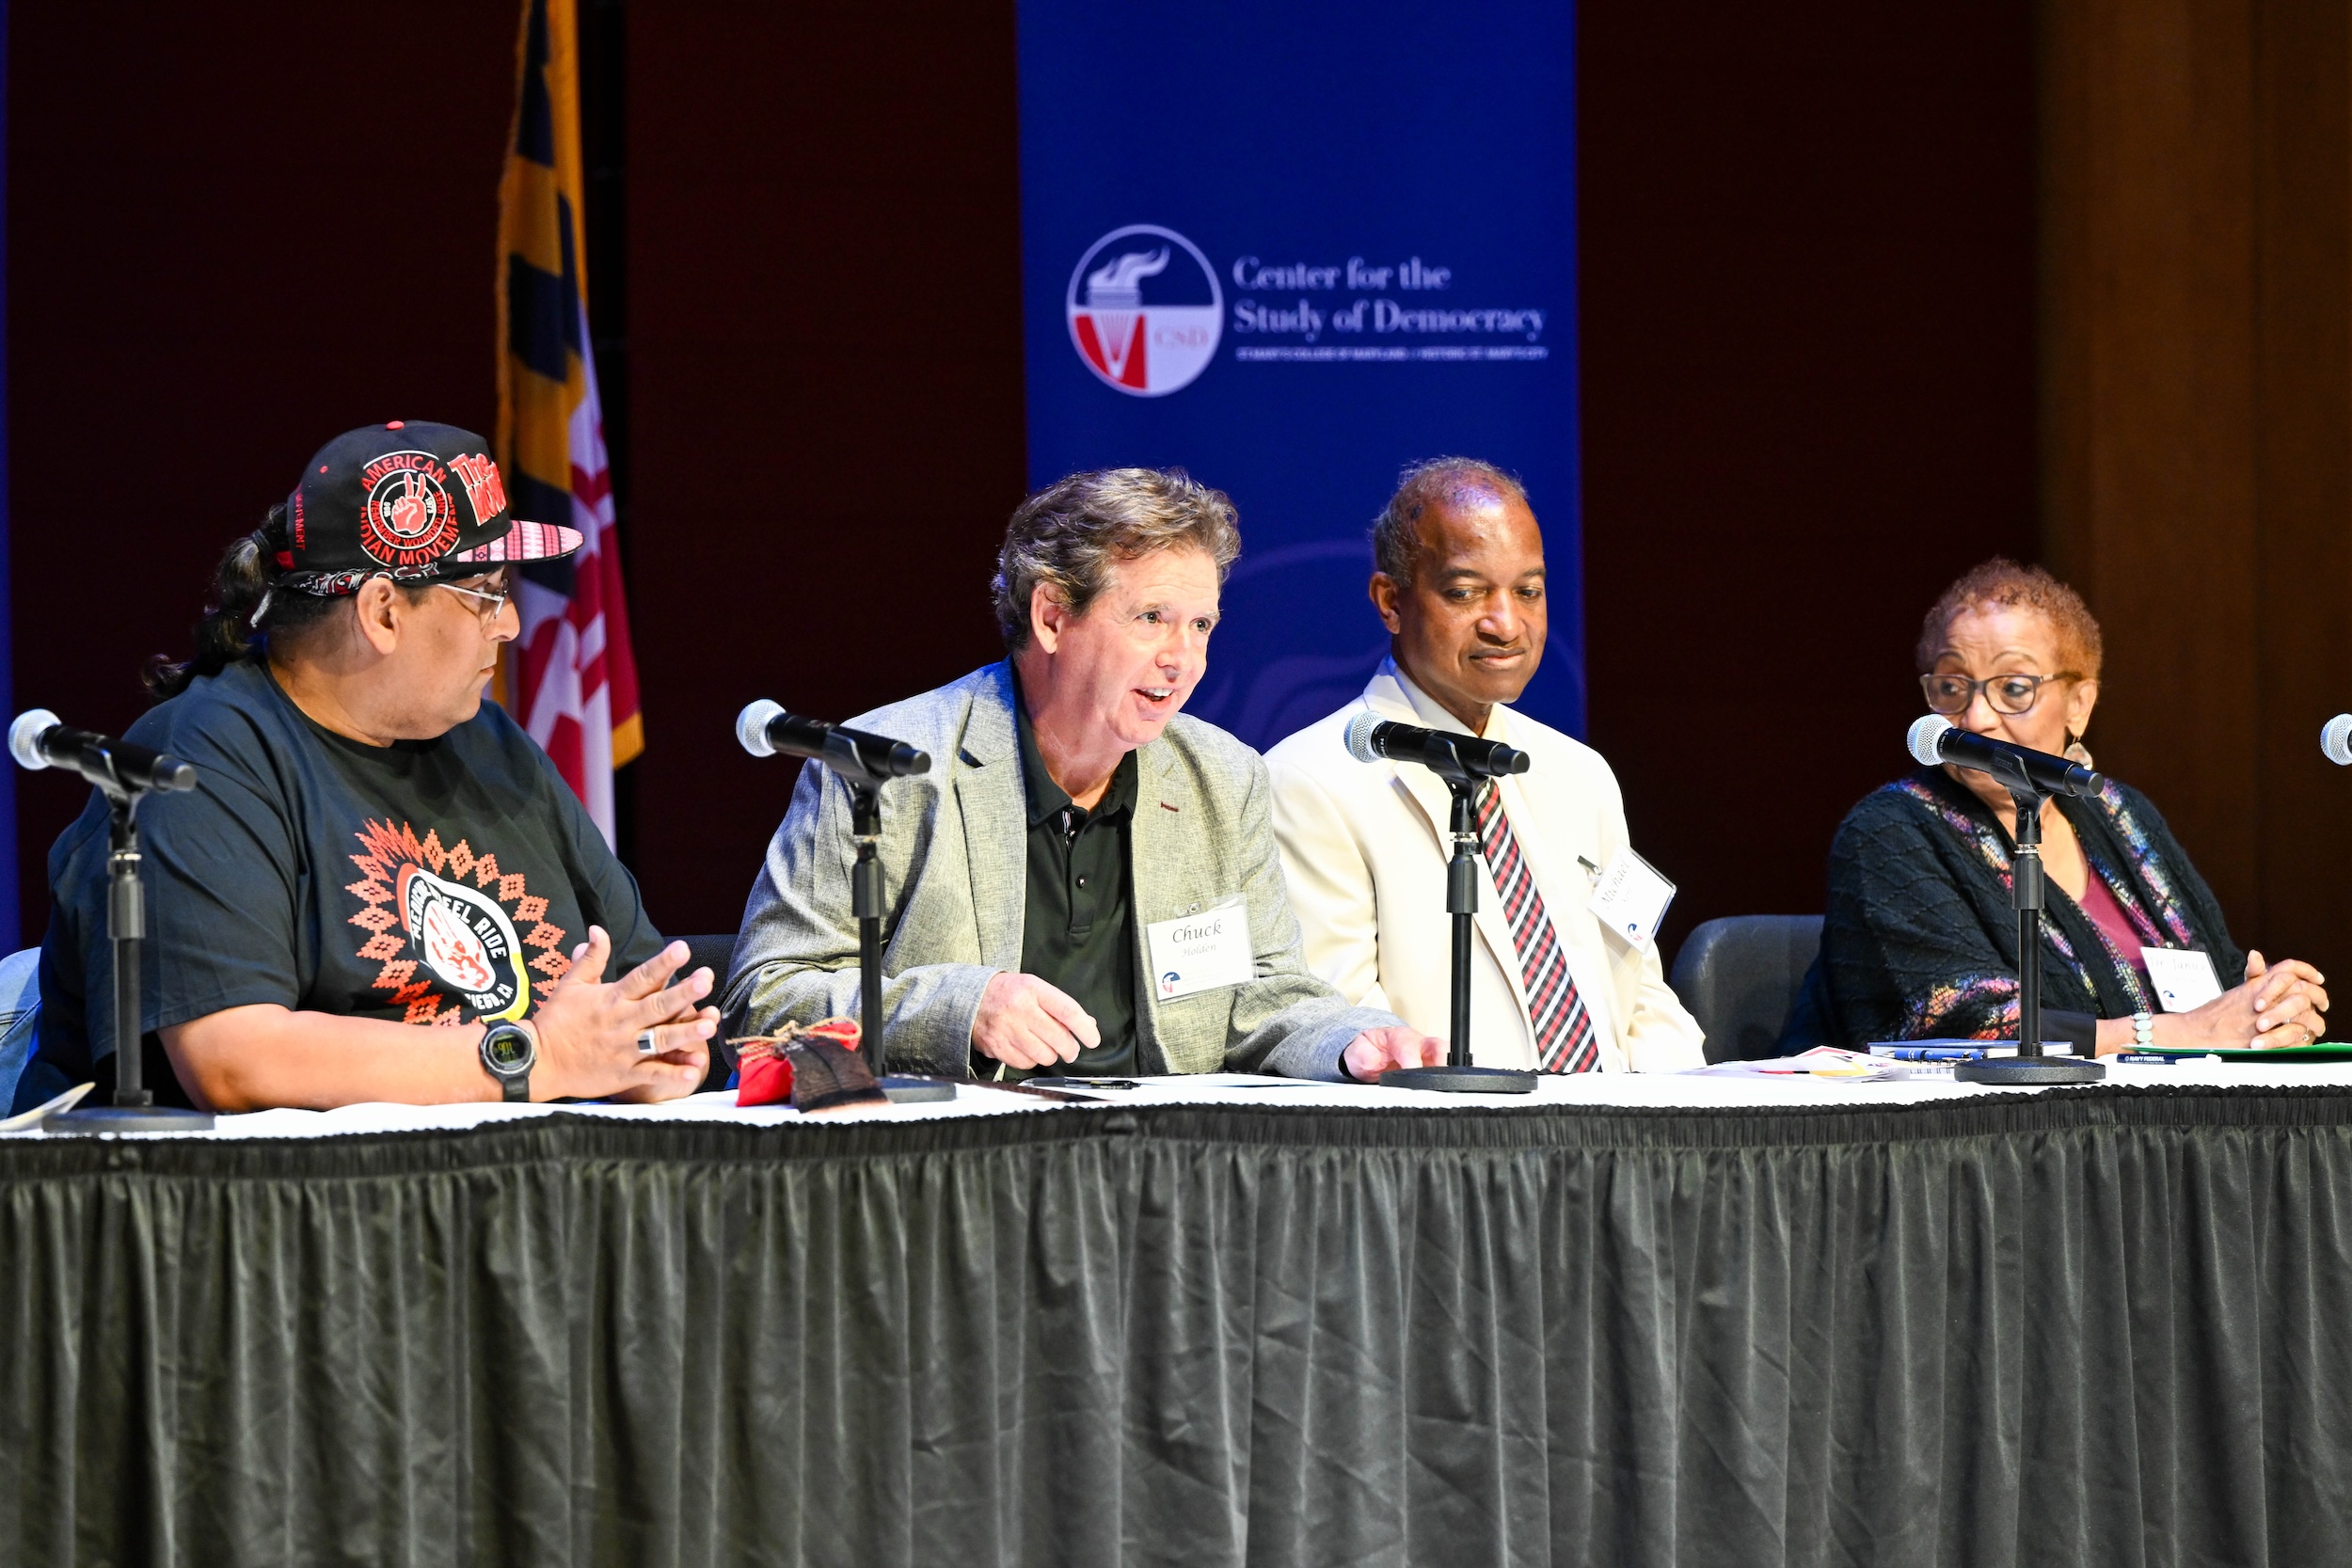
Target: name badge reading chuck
(1201, 951)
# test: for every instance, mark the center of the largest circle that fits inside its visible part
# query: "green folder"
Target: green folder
(2323, 1051)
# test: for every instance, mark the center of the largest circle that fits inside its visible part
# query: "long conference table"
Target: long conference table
(1693, 1320)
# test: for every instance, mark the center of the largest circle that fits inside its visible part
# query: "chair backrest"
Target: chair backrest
(715, 952)
(1739, 976)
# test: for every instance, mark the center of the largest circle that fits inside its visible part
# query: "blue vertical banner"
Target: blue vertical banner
(1292, 249)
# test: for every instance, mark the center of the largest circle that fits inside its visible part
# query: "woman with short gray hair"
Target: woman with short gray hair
(1920, 941)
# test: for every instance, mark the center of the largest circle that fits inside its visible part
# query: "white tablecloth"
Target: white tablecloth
(1631, 1091)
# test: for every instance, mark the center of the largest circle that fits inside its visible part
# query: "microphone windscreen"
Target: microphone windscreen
(751, 727)
(1927, 737)
(24, 738)
(1360, 737)
(2335, 740)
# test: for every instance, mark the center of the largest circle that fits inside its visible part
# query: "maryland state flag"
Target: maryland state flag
(569, 677)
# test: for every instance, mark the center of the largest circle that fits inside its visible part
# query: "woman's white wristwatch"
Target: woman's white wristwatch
(2143, 1031)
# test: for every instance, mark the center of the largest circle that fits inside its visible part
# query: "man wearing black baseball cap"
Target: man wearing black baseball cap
(369, 848)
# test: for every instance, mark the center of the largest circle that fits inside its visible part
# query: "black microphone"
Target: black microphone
(766, 729)
(1371, 738)
(38, 741)
(1934, 739)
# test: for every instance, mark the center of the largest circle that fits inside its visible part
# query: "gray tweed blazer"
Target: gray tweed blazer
(955, 868)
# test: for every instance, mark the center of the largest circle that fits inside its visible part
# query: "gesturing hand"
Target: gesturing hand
(1025, 1023)
(1375, 1050)
(588, 1029)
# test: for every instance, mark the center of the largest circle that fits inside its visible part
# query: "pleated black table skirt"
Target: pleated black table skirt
(2098, 1326)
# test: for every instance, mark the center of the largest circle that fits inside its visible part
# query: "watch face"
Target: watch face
(507, 1048)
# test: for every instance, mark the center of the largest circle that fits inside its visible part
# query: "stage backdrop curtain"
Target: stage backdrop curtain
(2087, 1327)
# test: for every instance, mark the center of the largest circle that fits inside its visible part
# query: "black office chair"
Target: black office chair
(1741, 975)
(713, 951)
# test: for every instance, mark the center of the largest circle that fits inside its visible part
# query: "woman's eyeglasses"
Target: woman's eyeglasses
(2013, 694)
(489, 606)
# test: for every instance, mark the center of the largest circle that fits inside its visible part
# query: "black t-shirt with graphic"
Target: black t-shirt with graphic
(435, 882)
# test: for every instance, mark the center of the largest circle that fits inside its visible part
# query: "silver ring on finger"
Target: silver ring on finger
(645, 1044)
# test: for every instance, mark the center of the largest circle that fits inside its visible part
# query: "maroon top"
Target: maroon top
(2105, 912)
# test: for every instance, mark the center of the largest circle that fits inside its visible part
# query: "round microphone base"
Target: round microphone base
(1460, 1079)
(128, 1119)
(2017, 1070)
(907, 1089)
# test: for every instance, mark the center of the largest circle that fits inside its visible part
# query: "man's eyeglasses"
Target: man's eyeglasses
(489, 606)
(2012, 694)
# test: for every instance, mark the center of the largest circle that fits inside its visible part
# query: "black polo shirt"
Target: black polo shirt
(1078, 931)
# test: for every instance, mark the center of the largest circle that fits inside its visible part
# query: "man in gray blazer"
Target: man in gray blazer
(1084, 876)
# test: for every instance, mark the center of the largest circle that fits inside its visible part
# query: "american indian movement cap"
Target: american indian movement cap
(407, 501)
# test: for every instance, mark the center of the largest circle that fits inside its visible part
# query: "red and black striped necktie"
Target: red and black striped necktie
(1563, 1031)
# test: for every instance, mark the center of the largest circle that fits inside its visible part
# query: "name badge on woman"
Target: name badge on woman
(1201, 951)
(2183, 977)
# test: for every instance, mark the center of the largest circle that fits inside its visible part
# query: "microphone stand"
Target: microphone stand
(133, 1109)
(1461, 902)
(2026, 891)
(866, 902)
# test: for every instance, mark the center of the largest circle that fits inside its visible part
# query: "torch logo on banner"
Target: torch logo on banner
(1145, 310)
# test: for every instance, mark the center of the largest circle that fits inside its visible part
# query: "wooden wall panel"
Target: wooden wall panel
(2196, 408)
(2302, 563)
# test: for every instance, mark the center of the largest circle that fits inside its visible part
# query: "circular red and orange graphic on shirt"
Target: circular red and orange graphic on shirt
(459, 937)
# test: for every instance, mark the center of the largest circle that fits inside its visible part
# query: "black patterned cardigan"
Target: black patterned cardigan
(1920, 942)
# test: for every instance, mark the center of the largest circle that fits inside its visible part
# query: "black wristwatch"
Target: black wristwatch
(508, 1052)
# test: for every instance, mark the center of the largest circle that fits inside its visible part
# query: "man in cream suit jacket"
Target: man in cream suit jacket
(1085, 875)
(1460, 586)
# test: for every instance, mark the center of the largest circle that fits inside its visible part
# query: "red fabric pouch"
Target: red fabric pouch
(767, 1067)
(763, 1073)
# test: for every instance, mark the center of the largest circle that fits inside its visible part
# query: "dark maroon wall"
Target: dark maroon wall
(1808, 380)
(1807, 312)
(232, 240)
(825, 330)
(232, 233)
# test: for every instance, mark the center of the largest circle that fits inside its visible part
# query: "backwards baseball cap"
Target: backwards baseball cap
(410, 501)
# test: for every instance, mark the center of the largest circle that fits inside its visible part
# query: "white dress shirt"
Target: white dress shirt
(1364, 850)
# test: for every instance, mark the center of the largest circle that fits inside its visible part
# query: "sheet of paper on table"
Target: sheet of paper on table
(1832, 1062)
